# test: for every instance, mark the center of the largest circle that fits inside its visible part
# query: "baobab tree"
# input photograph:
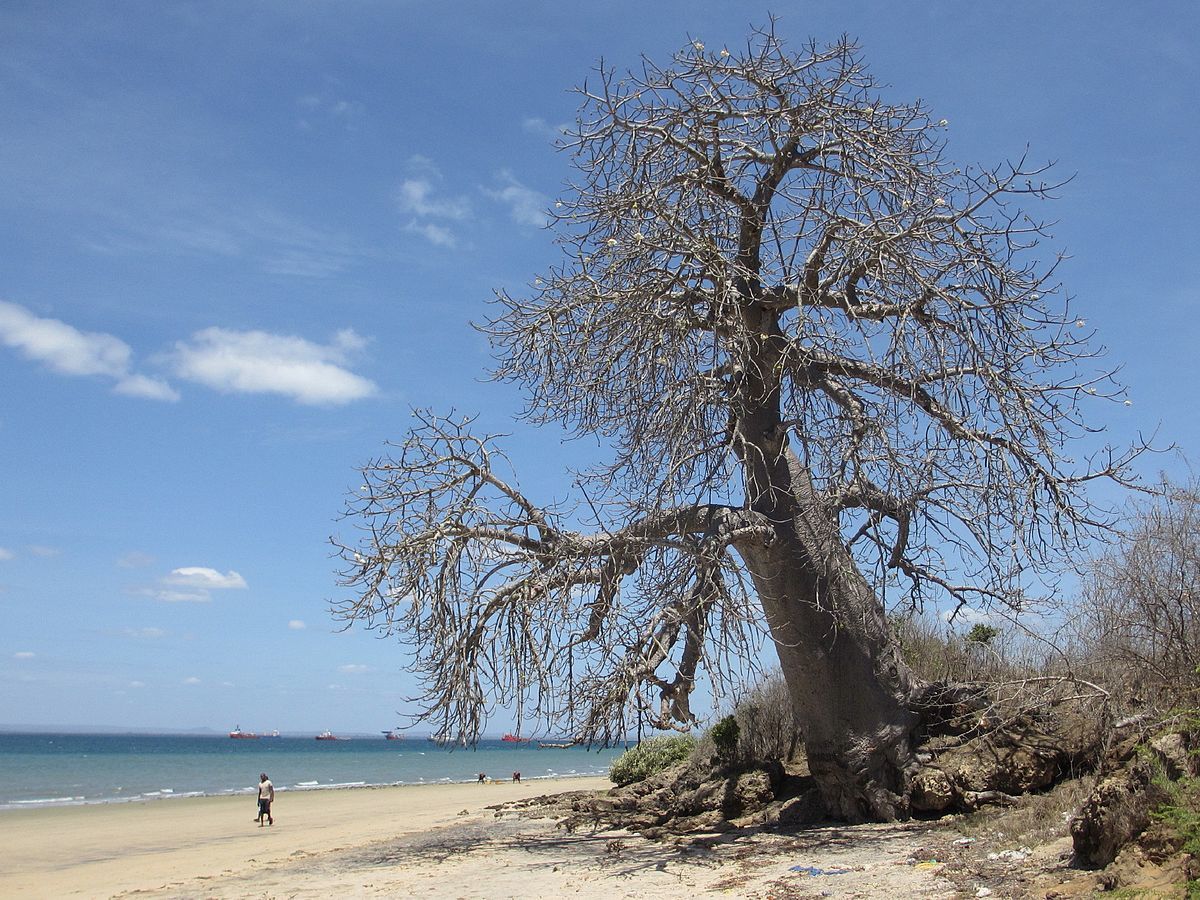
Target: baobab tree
(833, 373)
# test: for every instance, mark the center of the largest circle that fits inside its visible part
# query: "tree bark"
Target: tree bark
(849, 686)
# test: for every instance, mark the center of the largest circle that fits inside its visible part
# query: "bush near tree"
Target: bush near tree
(651, 756)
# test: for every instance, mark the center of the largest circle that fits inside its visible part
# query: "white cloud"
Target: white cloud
(205, 578)
(137, 684)
(191, 680)
(418, 197)
(257, 362)
(192, 584)
(24, 654)
(297, 625)
(539, 126)
(146, 387)
(43, 551)
(353, 669)
(66, 350)
(5, 553)
(525, 205)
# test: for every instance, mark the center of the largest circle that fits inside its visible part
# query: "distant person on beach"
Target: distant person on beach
(266, 796)
(482, 777)
(516, 776)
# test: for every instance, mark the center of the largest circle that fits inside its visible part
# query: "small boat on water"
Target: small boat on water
(273, 734)
(555, 745)
(238, 735)
(392, 735)
(328, 736)
(515, 739)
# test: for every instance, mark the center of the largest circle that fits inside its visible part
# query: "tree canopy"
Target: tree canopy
(805, 335)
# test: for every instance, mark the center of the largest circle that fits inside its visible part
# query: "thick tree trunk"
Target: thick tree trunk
(851, 691)
(850, 688)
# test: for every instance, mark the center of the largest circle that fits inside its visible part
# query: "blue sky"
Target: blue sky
(240, 240)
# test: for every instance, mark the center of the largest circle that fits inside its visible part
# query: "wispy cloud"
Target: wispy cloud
(327, 106)
(266, 238)
(5, 553)
(353, 668)
(297, 625)
(420, 196)
(438, 235)
(24, 654)
(43, 551)
(539, 126)
(135, 559)
(258, 362)
(66, 350)
(171, 596)
(525, 205)
(191, 680)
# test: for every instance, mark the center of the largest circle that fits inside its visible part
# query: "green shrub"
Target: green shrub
(650, 757)
(725, 737)
(982, 634)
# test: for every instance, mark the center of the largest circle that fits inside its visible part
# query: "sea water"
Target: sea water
(66, 769)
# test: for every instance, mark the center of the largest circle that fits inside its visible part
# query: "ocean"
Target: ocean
(38, 770)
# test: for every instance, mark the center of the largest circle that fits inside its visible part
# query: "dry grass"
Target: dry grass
(1034, 819)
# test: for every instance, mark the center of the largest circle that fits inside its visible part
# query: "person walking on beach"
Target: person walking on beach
(266, 796)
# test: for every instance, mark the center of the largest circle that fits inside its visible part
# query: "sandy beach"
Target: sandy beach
(110, 849)
(436, 841)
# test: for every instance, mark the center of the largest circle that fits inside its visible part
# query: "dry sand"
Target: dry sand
(438, 841)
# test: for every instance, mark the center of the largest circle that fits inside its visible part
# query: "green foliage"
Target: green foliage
(650, 757)
(982, 634)
(725, 736)
(1181, 812)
